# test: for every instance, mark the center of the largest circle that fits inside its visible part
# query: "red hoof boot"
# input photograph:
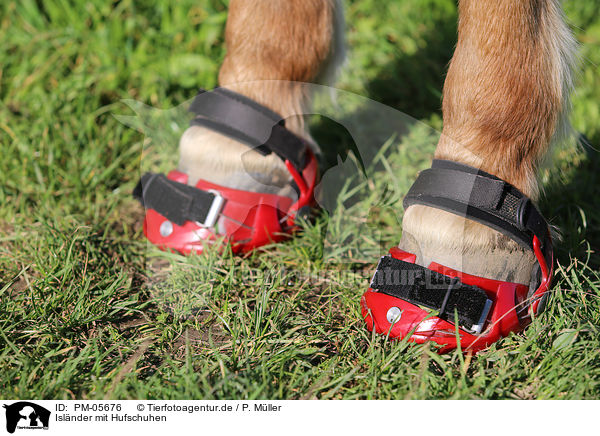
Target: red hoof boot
(184, 218)
(446, 306)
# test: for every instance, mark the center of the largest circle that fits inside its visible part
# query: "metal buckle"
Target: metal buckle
(215, 210)
(478, 328)
(475, 328)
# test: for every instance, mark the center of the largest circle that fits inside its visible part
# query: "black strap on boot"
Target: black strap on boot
(482, 197)
(178, 202)
(424, 287)
(244, 120)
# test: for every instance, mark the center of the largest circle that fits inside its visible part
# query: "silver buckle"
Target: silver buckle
(215, 210)
(477, 328)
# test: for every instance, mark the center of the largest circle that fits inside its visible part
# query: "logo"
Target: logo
(26, 415)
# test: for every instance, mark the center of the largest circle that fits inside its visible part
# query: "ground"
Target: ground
(88, 310)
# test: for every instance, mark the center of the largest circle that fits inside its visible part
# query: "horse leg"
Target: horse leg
(505, 101)
(270, 44)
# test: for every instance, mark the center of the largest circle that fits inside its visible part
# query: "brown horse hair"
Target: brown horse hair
(507, 90)
(271, 43)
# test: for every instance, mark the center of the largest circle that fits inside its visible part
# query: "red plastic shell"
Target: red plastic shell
(419, 326)
(248, 219)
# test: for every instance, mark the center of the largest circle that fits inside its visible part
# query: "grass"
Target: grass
(89, 310)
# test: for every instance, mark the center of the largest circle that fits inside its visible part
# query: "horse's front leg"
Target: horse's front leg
(471, 218)
(270, 45)
(505, 101)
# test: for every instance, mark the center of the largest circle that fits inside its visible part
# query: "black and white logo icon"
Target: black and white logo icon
(26, 415)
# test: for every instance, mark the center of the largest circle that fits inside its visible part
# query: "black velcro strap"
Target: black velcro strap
(424, 287)
(175, 201)
(244, 120)
(482, 197)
